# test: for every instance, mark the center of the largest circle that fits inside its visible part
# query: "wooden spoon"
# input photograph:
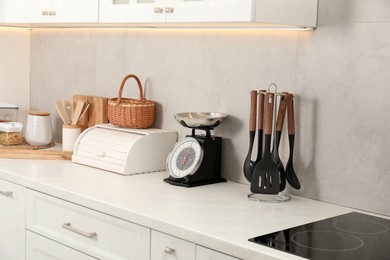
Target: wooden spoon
(77, 112)
(62, 112)
(69, 109)
(86, 106)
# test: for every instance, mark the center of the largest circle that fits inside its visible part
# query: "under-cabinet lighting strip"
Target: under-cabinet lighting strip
(210, 27)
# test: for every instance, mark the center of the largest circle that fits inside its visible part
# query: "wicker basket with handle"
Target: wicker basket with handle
(129, 112)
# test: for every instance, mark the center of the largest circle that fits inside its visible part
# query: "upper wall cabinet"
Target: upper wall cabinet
(161, 13)
(49, 11)
(250, 13)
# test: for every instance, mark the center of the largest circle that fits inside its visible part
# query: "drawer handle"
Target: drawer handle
(169, 250)
(100, 154)
(7, 193)
(69, 227)
(158, 10)
(169, 10)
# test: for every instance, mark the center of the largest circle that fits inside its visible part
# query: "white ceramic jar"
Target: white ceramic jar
(70, 133)
(38, 128)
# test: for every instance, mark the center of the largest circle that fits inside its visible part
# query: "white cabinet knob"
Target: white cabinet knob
(52, 13)
(100, 154)
(45, 13)
(158, 10)
(169, 250)
(7, 193)
(169, 10)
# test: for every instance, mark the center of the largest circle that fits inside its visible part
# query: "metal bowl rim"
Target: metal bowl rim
(211, 117)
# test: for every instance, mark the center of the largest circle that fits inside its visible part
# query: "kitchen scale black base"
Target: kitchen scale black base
(188, 184)
(209, 172)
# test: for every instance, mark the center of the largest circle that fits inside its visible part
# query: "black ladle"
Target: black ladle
(290, 173)
(249, 165)
(260, 126)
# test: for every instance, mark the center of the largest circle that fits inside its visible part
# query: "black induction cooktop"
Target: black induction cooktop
(352, 236)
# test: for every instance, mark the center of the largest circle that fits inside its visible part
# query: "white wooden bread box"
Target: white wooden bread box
(124, 150)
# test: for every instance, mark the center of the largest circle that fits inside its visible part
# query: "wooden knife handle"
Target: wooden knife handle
(290, 114)
(281, 113)
(252, 117)
(260, 116)
(269, 111)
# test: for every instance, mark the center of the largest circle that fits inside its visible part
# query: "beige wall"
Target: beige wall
(339, 73)
(15, 69)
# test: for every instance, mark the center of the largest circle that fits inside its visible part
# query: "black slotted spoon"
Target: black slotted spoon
(265, 178)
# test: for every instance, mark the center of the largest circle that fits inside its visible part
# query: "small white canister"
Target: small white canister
(38, 128)
(70, 133)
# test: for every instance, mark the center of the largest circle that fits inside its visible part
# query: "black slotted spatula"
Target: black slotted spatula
(265, 178)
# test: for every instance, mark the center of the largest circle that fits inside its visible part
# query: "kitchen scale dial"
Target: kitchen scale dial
(196, 159)
(185, 158)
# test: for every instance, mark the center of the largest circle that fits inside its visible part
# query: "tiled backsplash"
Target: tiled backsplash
(339, 74)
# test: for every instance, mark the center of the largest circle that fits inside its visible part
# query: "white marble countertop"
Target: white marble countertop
(217, 216)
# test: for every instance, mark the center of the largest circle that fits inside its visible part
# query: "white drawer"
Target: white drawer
(96, 234)
(165, 247)
(203, 253)
(40, 248)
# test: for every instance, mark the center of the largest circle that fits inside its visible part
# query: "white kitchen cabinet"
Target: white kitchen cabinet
(161, 13)
(12, 221)
(51, 11)
(85, 230)
(203, 253)
(165, 247)
(41, 248)
(153, 11)
(214, 13)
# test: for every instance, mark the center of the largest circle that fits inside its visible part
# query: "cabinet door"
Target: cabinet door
(49, 11)
(12, 221)
(165, 247)
(209, 10)
(207, 254)
(27, 11)
(75, 11)
(131, 11)
(40, 248)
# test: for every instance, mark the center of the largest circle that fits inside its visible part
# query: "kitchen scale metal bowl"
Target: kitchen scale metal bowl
(200, 119)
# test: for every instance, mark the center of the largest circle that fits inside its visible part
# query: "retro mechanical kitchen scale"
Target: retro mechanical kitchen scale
(196, 159)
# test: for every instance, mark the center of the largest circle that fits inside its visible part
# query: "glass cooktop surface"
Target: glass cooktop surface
(352, 236)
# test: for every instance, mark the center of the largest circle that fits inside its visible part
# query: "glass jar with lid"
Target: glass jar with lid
(11, 133)
(8, 112)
